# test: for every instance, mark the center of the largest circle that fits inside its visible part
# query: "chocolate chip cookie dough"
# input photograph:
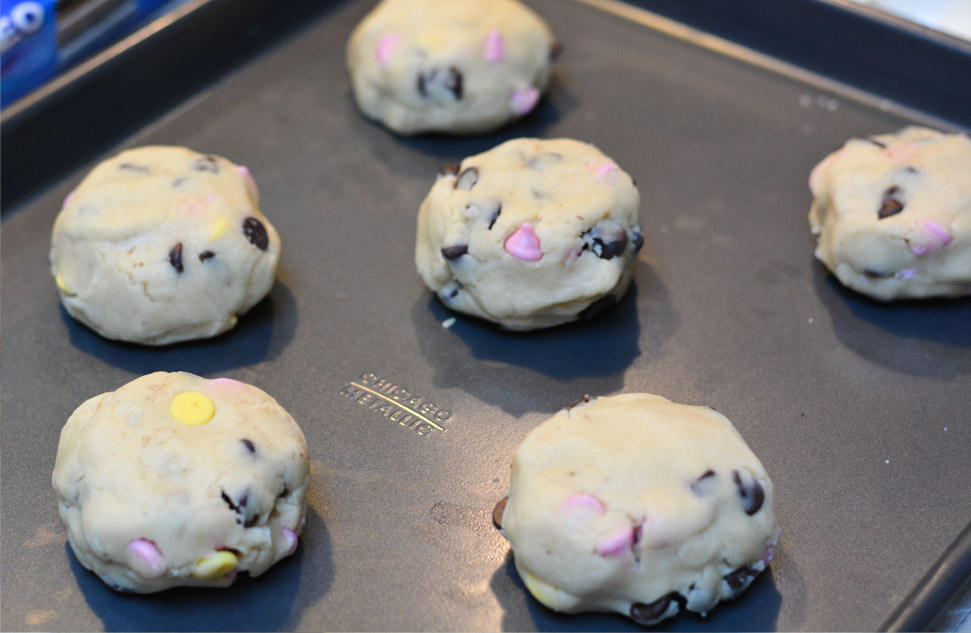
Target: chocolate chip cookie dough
(530, 234)
(178, 480)
(637, 505)
(455, 66)
(163, 244)
(892, 214)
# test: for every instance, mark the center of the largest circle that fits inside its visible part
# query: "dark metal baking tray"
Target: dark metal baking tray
(858, 410)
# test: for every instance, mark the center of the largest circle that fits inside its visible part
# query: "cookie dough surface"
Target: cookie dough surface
(163, 244)
(178, 480)
(455, 66)
(638, 505)
(530, 234)
(892, 214)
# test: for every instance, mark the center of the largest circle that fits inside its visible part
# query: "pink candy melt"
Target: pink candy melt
(583, 500)
(523, 101)
(386, 48)
(291, 538)
(146, 559)
(524, 244)
(68, 199)
(494, 49)
(937, 237)
(601, 169)
(616, 543)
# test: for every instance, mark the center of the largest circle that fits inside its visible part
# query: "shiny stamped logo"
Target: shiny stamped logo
(397, 404)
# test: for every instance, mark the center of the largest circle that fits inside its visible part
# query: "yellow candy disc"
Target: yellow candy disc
(217, 228)
(192, 408)
(540, 590)
(63, 286)
(222, 563)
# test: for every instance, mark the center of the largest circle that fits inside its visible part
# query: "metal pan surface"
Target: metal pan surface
(858, 410)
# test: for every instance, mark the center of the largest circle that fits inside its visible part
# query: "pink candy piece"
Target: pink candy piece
(251, 187)
(524, 244)
(523, 101)
(145, 559)
(938, 237)
(902, 152)
(600, 169)
(68, 199)
(582, 500)
(291, 537)
(617, 543)
(386, 48)
(906, 273)
(494, 49)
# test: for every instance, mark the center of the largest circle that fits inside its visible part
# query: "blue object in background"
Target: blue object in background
(28, 46)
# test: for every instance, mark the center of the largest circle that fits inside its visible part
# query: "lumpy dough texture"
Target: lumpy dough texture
(178, 480)
(892, 214)
(452, 66)
(163, 244)
(638, 505)
(530, 234)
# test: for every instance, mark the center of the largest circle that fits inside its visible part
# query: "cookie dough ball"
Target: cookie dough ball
(163, 244)
(892, 214)
(530, 234)
(638, 505)
(178, 480)
(453, 66)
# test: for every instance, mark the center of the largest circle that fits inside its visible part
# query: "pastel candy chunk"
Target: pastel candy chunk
(523, 101)
(218, 564)
(192, 408)
(935, 237)
(385, 49)
(251, 187)
(494, 49)
(616, 543)
(524, 244)
(583, 501)
(145, 559)
(290, 537)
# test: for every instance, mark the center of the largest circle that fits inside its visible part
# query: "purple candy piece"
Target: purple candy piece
(145, 559)
(494, 49)
(291, 537)
(386, 48)
(68, 199)
(523, 101)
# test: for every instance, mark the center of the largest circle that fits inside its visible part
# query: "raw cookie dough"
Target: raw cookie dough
(638, 505)
(453, 66)
(163, 244)
(530, 234)
(178, 480)
(892, 214)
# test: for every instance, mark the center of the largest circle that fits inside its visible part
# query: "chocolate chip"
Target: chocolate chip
(751, 492)
(206, 163)
(454, 252)
(696, 486)
(638, 241)
(555, 51)
(583, 400)
(876, 274)
(450, 292)
(541, 161)
(467, 179)
(606, 242)
(175, 258)
(872, 141)
(256, 233)
(739, 579)
(438, 80)
(597, 308)
(132, 167)
(204, 255)
(498, 510)
(249, 445)
(285, 491)
(229, 501)
(891, 204)
(447, 170)
(495, 216)
(653, 612)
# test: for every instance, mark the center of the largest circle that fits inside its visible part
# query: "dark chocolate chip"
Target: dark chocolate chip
(891, 203)
(696, 486)
(285, 491)
(597, 308)
(206, 163)
(253, 520)
(204, 255)
(449, 293)
(638, 241)
(454, 252)
(175, 258)
(751, 492)
(495, 216)
(498, 510)
(467, 179)
(229, 501)
(541, 161)
(555, 51)
(439, 80)
(132, 167)
(740, 578)
(876, 274)
(449, 170)
(653, 612)
(249, 445)
(256, 233)
(583, 400)
(605, 242)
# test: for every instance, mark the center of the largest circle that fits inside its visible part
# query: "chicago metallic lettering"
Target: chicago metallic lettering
(397, 404)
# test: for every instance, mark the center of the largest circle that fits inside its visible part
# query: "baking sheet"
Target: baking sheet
(858, 410)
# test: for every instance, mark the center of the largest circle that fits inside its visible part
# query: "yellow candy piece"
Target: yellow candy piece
(540, 590)
(60, 284)
(192, 408)
(233, 320)
(217, 228)
(220, 564)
